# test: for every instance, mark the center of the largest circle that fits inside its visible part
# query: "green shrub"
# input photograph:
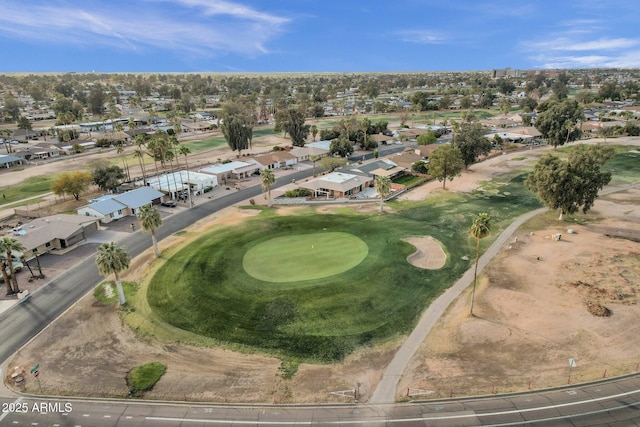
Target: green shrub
(144, 377)
(207, 189)
(298, 192)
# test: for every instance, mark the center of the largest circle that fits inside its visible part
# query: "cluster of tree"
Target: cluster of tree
(572, 184)
(237, 126)
(291, 122)
(66, 135)
(106, 176)
(557, 121)
(471, 142)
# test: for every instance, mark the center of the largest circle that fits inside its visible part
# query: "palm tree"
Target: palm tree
(9, 245)
(120, 150)
(185, 151)
(113, 259)
(150, 219)
(383, 187)
(139, 153)
(314, 158)
(267, 178)
(480, 228)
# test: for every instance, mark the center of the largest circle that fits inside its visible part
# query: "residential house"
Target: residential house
(232, 170)
(177, 184)
(54, 234)
(303, 154)
(378, 167)
(6, 161)
(115, 206)
(337, 185)
(383, 139)
(276, 160)
(43, 151)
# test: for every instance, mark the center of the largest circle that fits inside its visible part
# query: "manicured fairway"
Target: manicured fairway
(304, 256)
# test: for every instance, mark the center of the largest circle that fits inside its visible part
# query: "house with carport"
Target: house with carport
(337, 185)
(56, 234)
(232, 170)
(112, 207)
(178, 184)
(7, 161)
(276, 160)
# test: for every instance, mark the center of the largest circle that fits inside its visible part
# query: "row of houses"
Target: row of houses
(352, 180)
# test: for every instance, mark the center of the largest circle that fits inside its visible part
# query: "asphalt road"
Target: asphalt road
(611, 403)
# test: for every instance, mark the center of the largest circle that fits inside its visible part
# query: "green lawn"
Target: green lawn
(408, 179)
(205, 289)
(304, 256)
(33, 186)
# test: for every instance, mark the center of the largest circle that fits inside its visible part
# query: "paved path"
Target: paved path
(386, 390)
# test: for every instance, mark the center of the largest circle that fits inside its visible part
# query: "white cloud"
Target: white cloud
(174, 28)
(568, 44)
(222, 7)
(625, 60)
(421, 36)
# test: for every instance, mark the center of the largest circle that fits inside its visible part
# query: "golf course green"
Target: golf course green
(315, 287)
(304, 256)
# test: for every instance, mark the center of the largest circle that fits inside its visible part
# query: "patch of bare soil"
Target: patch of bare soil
(429, 253)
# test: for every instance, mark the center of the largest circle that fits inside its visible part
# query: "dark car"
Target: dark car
(169, 204)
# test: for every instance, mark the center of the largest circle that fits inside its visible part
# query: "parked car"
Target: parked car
(17, 266)
(169, 204)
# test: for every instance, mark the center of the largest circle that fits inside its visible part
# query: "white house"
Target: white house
(232, 170)
(177, 183)
(115, 206)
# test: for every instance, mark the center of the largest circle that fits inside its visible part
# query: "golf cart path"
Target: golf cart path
(385, 392)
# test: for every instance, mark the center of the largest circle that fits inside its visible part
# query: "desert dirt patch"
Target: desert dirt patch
(539, 303)
(531, 317)
(429, 253)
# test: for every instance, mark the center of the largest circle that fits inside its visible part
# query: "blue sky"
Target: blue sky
(316, 35)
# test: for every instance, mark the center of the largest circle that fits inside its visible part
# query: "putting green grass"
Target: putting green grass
(304, 256)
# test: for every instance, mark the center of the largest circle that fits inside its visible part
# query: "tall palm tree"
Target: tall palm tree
(120, 150)
(267, 178)
(150, 219)
(8, 246)
(139, 153)
(383, 187)
(113, 259)
(480, 228)
(185, 151)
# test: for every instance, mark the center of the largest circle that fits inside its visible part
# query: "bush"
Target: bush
(298, 192)
(207, 189)
(144, 377)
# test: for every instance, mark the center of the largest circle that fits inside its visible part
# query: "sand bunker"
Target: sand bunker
(429, 253)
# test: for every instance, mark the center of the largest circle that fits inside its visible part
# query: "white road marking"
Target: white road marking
(424, 418)
(4, 414)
